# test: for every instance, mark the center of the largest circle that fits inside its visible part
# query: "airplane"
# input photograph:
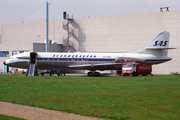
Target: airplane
(154, 53)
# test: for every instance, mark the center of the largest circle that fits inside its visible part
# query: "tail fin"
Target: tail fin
(158, 47)
(160, 42)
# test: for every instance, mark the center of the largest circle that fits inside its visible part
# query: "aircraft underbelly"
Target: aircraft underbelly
(19, 64)
(64, 65)
(50, 65)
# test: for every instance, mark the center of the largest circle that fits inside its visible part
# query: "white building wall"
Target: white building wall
(22, 36)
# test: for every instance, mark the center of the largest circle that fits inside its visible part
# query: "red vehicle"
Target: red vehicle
(136, 69)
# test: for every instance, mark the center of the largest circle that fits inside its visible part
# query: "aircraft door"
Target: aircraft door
(32, 64)
(33, 57)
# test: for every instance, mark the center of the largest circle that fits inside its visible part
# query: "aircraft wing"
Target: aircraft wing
(102, 66)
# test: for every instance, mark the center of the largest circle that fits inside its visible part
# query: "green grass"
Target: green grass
(4, 117)
(129, 98)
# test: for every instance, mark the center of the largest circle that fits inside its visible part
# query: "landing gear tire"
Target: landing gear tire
(90, 74)
(144, 74)
(134, 74)
(97, 74)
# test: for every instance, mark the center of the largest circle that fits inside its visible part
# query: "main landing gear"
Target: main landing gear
(97, 74)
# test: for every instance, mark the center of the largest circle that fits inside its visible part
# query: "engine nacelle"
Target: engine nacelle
(119, 60)
(127, 59)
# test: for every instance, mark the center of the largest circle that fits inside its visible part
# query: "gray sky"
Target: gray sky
(17, 11)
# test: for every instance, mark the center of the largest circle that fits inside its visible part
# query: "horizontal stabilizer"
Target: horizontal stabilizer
(152, 48)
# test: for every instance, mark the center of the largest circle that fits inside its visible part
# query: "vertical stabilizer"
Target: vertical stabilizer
(158, 47)
(160, 42)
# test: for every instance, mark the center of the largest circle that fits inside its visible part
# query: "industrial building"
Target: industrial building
(100, 34)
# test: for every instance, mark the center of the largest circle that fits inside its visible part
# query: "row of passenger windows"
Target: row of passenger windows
(80, 56)
(75, 59)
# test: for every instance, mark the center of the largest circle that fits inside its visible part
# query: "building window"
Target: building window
(4, 53)
(18, 52)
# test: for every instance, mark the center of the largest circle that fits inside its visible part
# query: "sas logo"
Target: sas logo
(160, 43)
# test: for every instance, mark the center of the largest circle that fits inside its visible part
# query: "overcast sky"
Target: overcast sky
(17, 11)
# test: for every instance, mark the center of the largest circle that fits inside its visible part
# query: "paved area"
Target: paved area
(85, 75)
(32, 113)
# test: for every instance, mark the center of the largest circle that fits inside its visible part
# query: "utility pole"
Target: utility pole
(47, 22)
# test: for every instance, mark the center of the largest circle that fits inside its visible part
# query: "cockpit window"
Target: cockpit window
(10, 58)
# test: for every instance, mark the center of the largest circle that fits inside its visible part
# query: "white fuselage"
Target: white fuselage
(65, 60)
(155, 53)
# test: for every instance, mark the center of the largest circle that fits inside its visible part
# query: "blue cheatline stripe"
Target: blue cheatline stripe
(76, 59)
(21, 58)
(72, 59)
(86, 59)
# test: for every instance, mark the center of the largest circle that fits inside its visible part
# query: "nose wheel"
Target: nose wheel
(97, 74)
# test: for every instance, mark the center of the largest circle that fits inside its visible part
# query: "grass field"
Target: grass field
(4, 117)
(150, 97)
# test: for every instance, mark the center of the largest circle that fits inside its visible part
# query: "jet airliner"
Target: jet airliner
(154, 53)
